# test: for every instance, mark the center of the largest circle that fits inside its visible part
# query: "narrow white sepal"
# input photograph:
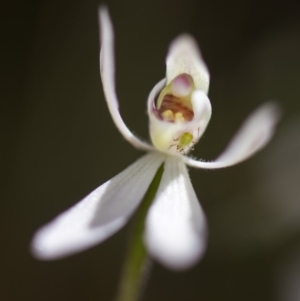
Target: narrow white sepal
(254, 134)
(107, 70)
(175, 232)
(98, 215)
(184, 57)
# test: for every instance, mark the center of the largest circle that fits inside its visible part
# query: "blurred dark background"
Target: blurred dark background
(58, 142)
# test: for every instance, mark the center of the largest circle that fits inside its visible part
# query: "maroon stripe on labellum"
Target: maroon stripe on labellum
(174, 104)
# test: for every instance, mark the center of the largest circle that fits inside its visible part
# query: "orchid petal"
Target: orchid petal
(184, 57)
(202, 111)
(98, 215)
(175, 232)
(107, 68)
(254, 134)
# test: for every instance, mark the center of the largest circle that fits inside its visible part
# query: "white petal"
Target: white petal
(99, 215)
(164, 133)
(107, 69)
(184, 57)
(175, 232)
(202, 111)
(254, 134)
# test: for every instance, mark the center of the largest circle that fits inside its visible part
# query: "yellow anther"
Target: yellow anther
(179, 116)
(168, 115)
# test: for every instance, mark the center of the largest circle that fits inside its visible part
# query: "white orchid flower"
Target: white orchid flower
(179, 111)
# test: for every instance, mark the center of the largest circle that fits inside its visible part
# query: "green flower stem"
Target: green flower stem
(136, 267)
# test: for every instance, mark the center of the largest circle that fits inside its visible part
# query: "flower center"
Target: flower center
(174, 102)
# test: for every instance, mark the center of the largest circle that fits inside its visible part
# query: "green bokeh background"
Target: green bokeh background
(58, 142)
